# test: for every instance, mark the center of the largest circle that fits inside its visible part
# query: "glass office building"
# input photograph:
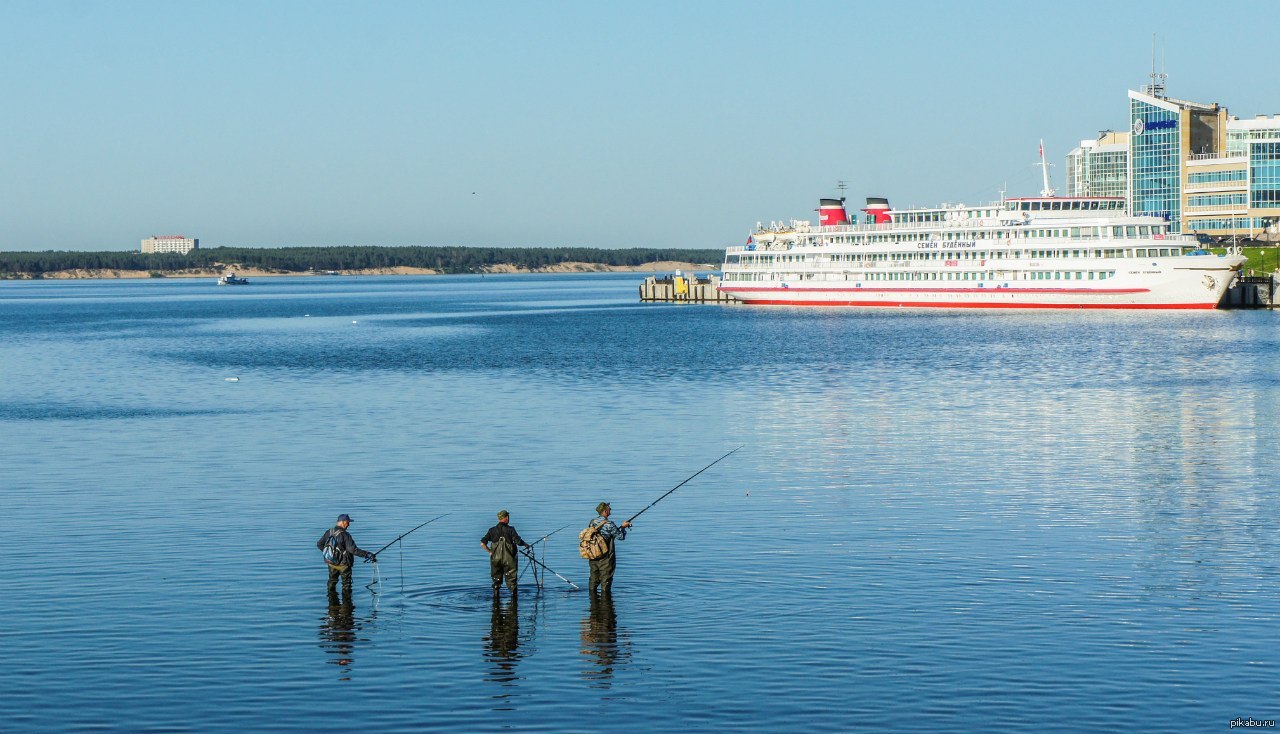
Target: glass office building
(1237, 193)
(1155, 158)
(1100, 167)
(1190, 163)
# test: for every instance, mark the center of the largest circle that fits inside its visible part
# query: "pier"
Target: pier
(680, 288)
(1252, 291)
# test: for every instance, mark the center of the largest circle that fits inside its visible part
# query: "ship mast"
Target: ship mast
(1044, 166)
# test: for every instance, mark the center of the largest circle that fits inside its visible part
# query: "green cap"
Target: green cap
(503, 514)
(600, 508)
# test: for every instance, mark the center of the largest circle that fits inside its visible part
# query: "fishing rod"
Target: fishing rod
(548, 535)
(681, 484)
(529, 555)
(402, 535)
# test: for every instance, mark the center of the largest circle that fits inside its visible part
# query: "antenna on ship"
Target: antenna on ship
(842, 185)
(1044, 165)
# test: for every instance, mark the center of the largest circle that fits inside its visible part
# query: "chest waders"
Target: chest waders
(502, 564)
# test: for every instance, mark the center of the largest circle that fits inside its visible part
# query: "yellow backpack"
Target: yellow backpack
(592, 545)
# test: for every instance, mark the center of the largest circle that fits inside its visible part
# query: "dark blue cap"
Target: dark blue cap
(344, 516)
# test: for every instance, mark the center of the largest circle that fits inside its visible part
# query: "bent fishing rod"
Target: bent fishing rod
(402, 535)
(529, 555)
(681, 484)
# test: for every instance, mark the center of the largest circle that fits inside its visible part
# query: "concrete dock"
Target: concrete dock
(680, 288)
(1252, 291)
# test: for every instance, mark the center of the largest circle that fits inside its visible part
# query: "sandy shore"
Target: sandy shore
(572, 267)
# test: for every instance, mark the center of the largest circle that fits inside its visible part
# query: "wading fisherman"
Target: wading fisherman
(340, 551)
(502, 557)
(602, 567)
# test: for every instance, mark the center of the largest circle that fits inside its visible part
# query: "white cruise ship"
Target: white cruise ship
(1037, 252)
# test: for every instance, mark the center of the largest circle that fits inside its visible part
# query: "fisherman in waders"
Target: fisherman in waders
(602, 567)
(340, 551)
(502, 557)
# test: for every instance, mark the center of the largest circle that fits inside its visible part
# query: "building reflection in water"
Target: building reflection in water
(338, 632)
(502, 644)
(603, 648)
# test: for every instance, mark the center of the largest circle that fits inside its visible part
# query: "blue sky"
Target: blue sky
(564, 123)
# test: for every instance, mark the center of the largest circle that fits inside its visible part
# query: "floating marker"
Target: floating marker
(232, 379)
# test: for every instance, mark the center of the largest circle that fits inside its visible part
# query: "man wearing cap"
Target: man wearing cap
(602, 567)
(502, 557)
(340, 551)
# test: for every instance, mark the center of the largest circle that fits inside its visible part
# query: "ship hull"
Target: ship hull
(1199, 284)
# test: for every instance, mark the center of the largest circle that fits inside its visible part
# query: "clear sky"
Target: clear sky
(565, 123)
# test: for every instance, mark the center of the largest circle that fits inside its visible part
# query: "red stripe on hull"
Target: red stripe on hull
(1107, 291)
(948, 304)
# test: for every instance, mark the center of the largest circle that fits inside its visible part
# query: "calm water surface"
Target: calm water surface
(940, 521)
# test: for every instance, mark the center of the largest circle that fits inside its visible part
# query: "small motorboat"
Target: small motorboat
(231, 279)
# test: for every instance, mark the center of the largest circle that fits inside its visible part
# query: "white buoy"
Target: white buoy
(232, 379)
(355, 322)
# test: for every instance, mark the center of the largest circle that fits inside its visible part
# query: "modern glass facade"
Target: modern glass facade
(1234, 199)
(1155, 163)
(1264, 175)
(1210, 177)
(1242, 225)
(1097, 169)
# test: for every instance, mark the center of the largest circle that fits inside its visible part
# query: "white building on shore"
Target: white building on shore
(170, 243)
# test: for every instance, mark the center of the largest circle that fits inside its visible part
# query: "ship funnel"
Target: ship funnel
(832, 211)
(877, 210)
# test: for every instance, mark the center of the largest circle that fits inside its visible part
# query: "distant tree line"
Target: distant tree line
(302, 259)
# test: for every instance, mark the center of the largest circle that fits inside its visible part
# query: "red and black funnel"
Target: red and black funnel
(832, 211)
(877, 210)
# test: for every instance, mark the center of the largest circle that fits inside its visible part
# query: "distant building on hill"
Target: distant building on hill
(170, 243)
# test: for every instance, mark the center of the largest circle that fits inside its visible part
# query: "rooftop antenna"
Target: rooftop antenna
(842, 185)
(1044, 166)
(1156, 87)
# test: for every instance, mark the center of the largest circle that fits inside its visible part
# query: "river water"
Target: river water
(939, 521)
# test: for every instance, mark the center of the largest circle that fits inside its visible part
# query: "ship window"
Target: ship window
(1090, 275)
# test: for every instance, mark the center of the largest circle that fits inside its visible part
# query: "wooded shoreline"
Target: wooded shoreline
(354, 260)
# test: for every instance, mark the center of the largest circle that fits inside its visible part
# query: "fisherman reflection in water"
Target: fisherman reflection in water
(600, 645)
(338, 631)
(502, 645)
